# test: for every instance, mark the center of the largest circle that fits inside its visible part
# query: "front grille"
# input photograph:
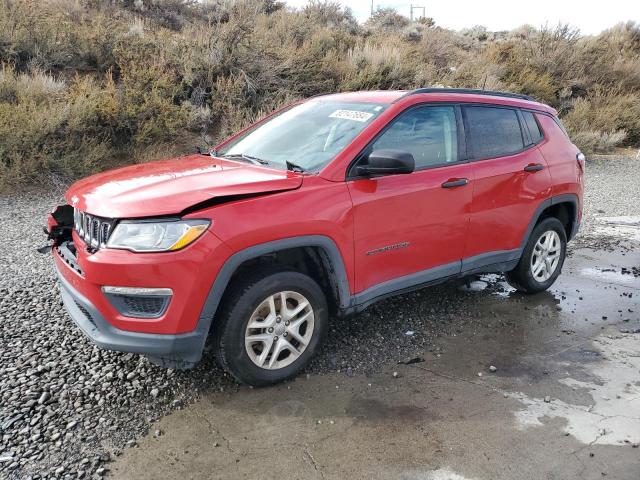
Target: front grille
(93, 230)
(67, 252)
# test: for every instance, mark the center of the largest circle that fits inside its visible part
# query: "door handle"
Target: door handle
(458, 182)
(533, 167)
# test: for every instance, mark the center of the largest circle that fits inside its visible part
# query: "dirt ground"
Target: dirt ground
(562, 403)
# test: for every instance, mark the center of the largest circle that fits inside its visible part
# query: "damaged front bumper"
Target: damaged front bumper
(170, 351)
(147, 304)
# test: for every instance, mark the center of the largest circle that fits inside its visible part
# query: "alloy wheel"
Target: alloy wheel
(546, 256)
(279, 330)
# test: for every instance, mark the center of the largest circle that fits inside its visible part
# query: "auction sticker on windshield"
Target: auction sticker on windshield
(352, 115)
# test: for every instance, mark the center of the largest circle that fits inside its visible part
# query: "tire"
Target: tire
(248, 299)
(523, 277)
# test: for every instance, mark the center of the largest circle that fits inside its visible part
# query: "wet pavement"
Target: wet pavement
(562, 401)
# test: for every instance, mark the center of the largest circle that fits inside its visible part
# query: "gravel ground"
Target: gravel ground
(67, 407)
(612, 189)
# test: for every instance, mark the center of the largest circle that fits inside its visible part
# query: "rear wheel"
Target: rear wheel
(270, 326)
(542, 258)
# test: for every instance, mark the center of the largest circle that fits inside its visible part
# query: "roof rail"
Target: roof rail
(470, 91)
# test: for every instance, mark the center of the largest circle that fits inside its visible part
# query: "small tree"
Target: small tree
(387, 18)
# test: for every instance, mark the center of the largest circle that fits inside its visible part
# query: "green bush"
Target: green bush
(89, 84)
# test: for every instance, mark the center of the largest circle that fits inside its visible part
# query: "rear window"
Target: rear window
(493, 132)
(532, 125)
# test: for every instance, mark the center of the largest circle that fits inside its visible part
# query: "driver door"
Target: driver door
(412, 228)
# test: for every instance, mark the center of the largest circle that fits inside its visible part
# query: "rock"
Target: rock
(411, 361)
(493, 369)
(155, 392)
(547, 399)
(44, 397)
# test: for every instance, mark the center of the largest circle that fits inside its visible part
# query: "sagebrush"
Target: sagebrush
(89, 84)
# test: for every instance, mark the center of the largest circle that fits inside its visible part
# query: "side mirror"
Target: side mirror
(387, 162)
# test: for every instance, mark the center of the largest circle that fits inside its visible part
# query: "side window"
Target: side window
(428, 133)
(532, 125)
(493, 131)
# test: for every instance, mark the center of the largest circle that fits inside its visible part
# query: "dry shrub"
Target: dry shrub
(594, 141)
(47, 127)
(387, 19)
(605, 119)
(331, 14)
(378, 64)
(87, 84)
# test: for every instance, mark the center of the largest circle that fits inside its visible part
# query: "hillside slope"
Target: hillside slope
(88, 84)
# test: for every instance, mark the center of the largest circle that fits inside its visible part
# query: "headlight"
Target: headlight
(156, 236)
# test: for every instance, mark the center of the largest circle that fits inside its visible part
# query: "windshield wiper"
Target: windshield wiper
(255, 160)
(295, 168)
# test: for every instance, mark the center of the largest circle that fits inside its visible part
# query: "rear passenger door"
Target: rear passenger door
(511, 178)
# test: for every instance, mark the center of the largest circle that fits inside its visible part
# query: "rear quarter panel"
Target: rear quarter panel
(560, 154)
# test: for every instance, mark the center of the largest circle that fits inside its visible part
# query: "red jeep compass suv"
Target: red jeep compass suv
(318, 210)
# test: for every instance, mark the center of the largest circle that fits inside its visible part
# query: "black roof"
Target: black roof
(471, 91)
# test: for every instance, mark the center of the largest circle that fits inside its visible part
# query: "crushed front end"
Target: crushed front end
(145, 303)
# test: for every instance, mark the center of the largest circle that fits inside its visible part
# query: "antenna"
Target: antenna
(418, 7)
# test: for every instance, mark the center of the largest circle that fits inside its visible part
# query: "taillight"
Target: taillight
(581, 161)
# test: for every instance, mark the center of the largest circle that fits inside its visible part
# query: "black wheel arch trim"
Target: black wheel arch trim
(555, 200)
(326, 244)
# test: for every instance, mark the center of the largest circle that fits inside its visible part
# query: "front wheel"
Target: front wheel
(542, 258)
(270, 327)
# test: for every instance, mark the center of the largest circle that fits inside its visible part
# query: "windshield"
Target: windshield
(307, 136)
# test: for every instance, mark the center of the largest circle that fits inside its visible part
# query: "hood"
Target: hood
(170, 186)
